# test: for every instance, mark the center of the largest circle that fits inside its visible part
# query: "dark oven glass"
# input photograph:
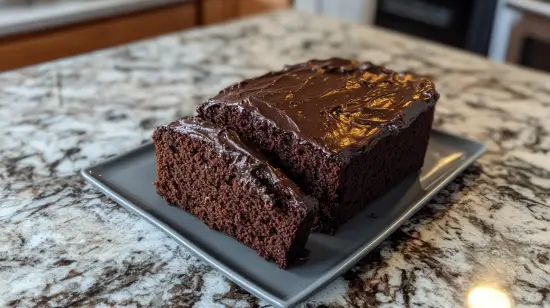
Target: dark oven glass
(461, 23)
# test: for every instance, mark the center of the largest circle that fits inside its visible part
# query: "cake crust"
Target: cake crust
(211, 173)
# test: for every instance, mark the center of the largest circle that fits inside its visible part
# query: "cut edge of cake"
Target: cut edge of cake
(211, 173)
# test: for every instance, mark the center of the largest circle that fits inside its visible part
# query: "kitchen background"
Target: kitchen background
(34, 31)
(66, 115)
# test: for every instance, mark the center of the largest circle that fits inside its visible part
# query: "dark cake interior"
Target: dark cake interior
(209, 172)
(345, 131)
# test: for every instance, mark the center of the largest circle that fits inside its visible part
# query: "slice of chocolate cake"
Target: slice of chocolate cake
(212, 174)
(345, 131)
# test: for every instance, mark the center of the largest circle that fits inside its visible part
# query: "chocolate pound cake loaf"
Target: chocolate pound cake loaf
(345, 131)
(210, 173)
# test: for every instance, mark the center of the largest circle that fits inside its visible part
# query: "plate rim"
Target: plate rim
(106, 188)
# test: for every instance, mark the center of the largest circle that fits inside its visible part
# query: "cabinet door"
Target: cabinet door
(248, 7)
(47, 45)
(214, 11)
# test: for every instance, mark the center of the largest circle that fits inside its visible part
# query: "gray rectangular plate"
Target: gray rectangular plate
(127, 180)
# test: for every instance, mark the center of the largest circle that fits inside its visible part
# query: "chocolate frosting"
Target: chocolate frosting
(338, 105)
(251, 164)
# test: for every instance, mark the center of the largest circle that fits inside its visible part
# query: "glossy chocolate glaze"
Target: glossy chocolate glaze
(339, 105)
(248, 161)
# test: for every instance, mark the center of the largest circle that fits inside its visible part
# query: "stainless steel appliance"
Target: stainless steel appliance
(465, 24)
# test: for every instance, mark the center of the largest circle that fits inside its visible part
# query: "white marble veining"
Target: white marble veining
(65, 244)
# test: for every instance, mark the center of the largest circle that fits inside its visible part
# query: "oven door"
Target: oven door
(465, 24)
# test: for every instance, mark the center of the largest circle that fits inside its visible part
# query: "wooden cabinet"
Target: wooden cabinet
(27, 49)
(213, 11)
(221, 10)
(249, 7)
(41, 46)
(529, 42)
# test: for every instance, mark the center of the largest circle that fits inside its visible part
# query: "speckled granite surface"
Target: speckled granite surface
(63, 243)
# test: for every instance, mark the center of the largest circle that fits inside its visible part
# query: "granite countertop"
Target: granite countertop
(63, 243)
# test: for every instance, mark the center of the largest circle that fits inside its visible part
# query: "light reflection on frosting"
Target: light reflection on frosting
(488, 297)
(337, 104)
